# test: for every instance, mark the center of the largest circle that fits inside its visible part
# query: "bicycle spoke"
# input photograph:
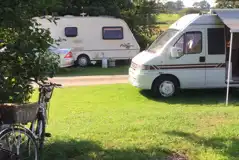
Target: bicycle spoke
(21, 144)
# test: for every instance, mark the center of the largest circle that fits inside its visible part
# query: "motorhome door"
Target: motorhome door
(215, 57)
(190, 67)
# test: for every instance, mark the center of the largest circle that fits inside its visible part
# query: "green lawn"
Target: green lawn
(93, 70)
(164, 26)
(122, 123)
(168, 18)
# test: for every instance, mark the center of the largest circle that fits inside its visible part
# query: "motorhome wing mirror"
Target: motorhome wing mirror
(176, 52)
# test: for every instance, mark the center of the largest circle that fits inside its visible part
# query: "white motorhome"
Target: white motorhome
(192, 54)
(92, 38)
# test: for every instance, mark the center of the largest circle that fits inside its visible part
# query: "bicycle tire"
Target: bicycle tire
(7, 155)
(42, 136)
(23, 131)
(40, 125)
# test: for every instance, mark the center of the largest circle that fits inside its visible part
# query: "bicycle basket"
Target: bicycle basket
(18, 113)
(7, 155)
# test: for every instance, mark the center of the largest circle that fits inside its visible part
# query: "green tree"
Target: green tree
(227, 4)
(26, 52)
(170, 6)
(139, 14)
(202, 5)
(141, 18)
(196, 5)
(91, 7)
(179, 4)
(186, 11)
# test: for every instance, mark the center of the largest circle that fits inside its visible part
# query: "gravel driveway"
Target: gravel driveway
(90, 80)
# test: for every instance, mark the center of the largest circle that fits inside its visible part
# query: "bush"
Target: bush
(25, 56)
(146, 36)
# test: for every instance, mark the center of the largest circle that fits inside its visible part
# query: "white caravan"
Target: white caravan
(192, 54)
(92, 38)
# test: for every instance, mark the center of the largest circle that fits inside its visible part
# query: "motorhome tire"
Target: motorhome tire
(165, 86)
(83, 60)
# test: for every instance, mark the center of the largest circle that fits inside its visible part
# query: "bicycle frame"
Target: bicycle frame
(42, 103)
(43, 99)
(45, 94)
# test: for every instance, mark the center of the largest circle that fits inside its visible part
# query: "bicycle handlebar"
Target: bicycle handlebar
(46, 84)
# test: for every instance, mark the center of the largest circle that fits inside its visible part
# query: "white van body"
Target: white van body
(90, 42)
(160, 69)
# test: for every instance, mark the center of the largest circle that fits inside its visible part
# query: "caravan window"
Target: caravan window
(216, 41)
(71, 31)
(112, 33)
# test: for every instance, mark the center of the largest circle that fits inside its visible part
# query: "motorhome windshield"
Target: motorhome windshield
(161, 40)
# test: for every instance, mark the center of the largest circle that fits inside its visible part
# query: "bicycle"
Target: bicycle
(38, 126)
(8, 155)
(14, 136)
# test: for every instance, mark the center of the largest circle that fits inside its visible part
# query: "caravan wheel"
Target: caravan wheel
(83, 61)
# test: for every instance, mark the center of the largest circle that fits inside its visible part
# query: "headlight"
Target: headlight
(145, 67)
(142, 67)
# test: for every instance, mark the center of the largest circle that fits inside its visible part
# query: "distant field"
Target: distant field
(168, 18)
(164, 26)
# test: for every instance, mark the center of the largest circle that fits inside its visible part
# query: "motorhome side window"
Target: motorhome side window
(112, 33)
(71, 31)
(190, 42)
(216, 41)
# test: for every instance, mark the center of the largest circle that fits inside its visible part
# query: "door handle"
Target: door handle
(202, 59)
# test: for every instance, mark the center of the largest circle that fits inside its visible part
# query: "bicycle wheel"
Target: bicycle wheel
(38, 128)
(21, 141)
(7, 155)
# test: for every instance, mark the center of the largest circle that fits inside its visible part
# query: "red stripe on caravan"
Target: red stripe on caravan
(191, 66)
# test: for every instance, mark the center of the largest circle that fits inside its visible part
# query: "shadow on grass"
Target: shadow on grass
(227, 146)
(197, 97)
(88, 150)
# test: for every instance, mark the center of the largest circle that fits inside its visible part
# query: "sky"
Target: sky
(189, 3)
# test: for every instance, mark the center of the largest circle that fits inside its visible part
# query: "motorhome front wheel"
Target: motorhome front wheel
(165, 87)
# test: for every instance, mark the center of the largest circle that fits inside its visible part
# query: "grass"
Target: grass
(168, 18)
(164, 26)
(93, 70)
(122, 123)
